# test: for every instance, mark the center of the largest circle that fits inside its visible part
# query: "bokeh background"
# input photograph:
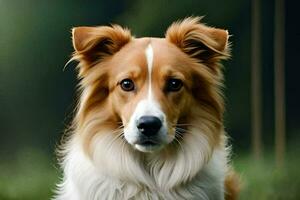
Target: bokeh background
(37, 96)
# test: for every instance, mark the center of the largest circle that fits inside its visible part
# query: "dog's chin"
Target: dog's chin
(148, 147)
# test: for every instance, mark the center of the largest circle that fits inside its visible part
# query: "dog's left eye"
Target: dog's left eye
(174, 85)
(127, 85)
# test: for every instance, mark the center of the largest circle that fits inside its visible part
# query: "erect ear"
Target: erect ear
(92, 44)
(206, 44)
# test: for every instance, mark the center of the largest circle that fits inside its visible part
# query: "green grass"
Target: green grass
(32, 176)
(29, 176)
(263, 181)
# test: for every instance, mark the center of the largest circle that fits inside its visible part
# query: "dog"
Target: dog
(149, 121)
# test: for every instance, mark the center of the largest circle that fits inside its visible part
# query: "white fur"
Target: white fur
(116, 171)
(149, 57)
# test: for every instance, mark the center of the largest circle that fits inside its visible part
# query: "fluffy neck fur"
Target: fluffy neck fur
(118, 172)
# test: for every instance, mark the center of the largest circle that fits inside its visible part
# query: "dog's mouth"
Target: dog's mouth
(147, 144)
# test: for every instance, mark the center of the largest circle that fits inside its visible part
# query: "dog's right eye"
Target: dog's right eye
(174, 85)
(127, 85)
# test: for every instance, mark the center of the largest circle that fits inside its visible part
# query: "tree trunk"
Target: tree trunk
(279, 50)
(256, 81)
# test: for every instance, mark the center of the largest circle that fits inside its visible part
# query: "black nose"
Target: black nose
(149, 125)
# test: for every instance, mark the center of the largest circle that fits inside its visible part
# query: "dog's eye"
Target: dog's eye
(174, 85)
(127, 85)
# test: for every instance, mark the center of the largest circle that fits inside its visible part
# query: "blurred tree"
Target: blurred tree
(279, 62)
(256, 80)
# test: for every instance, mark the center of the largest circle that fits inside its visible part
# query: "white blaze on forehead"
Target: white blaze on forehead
(149, 57)
(146, 107)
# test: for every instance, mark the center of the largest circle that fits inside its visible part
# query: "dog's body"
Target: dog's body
(149, 121)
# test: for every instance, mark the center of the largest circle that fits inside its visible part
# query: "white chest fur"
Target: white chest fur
(83, 181)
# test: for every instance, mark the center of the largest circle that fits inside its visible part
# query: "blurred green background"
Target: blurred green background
(37, 96)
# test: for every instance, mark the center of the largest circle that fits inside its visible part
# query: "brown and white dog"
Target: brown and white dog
(149, 123)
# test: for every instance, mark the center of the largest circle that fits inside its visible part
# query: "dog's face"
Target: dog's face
(152, 89)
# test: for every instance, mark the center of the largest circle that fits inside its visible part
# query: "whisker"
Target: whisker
(180, 124)
(185, 125)
(178, 128)
(179, 143)
(120, 134)
(179, 135)
(181, 130)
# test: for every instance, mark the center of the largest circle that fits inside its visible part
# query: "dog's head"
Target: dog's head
(150, 92)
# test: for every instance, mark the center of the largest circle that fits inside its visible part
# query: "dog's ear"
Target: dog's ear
(205, 44)
(92, 44)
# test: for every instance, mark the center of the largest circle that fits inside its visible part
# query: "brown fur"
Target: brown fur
(190, 51)
(232, 186)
